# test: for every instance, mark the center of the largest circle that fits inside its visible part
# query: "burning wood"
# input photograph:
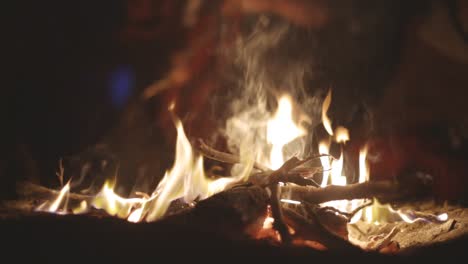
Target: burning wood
(302, 210)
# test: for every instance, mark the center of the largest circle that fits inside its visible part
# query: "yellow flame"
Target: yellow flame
(341, 134)
(82, 208)
(136, 215)
(336, 172)
(337, 178)
(281, 130)
(364, 173)
(333, 169)
(54, 206)
(325, 160)
(114, 204)
(63, 193)
(187, 180)
(326, 121)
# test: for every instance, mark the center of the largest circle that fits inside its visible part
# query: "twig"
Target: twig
(293, 176)
(316, 230)
(214, 154)
(60, 172)
(385, 189)
(32, 190)
(347, 215)
(359, 208)
(277, 214)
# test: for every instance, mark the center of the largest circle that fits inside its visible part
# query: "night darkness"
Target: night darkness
(69, 82)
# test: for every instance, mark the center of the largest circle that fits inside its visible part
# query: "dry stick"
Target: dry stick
(332, 239)
(276, 212)
(214, 154)
(29, 189)
(321, 234)
(264, 178)
(347, 215)
(383, 189)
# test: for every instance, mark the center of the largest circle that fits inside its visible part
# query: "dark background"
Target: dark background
(68, 82)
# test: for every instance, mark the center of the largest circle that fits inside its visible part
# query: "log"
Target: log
(386, 190)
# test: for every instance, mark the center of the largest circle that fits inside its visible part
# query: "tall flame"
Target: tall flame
(281, 130)
(325, 119)
(187, 179)
(333, 168)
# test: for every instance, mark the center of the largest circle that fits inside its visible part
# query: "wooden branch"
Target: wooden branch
(293, 176)
(214, 154)
(347, 215)
(31, 190)
(385, 189)
(309, 228)
(277, 214)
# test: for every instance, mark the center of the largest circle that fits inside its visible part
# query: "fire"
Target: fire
(281, 130)
(325, 119)
(333, 168)
(53, 207)
(364, 177)
(185, 180)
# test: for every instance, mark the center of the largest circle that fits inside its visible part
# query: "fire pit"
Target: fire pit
(291, 176)
(282, 208)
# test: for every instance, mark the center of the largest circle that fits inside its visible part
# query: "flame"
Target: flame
(442, 217)
(281, 130)
(114, 204)
(185, 180)
(341, 134)
(364, 173)
(54, 206)
(82, 208)
(333, 169)
(326, 121)
(324, 147)
(335, 173)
